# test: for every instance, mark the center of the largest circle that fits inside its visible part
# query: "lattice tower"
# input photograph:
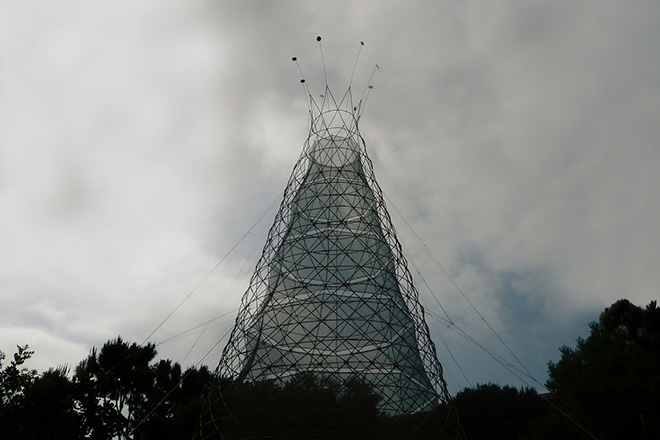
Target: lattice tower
(331, 303)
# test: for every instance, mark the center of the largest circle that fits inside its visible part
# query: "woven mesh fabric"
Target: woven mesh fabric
(331, 297)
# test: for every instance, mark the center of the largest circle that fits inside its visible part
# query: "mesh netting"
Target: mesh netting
(330, 340)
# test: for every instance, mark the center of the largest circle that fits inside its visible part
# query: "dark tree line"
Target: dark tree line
(116, 392)
(606, 387)
(493, 412)
(308, 405)
(311, 406)
(610, 381)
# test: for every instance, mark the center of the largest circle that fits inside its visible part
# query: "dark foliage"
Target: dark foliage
(49, 408)
(113, 386)
(494, 412)
(115, 393)
(312, 406)
(175, 402)
(306, 406)
(610, 382)
(34, 406)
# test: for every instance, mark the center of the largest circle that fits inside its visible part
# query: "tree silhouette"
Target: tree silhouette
(14, 379)
(307, 406)
(112, 388)
(174, 403)
(611, 380)
(495, 412)
(49, 408)
(311, 405)
(122, 394)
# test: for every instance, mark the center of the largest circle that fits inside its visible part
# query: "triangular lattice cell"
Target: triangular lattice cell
(330, 339)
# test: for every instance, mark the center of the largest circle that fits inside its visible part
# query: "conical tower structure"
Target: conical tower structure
(331, 309)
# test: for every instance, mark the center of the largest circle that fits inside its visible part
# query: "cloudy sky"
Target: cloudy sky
(140, 141)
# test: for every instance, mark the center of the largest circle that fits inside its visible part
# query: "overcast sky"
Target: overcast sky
(141, 140)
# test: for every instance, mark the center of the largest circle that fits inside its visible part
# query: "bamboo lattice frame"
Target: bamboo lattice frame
(331, 303)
